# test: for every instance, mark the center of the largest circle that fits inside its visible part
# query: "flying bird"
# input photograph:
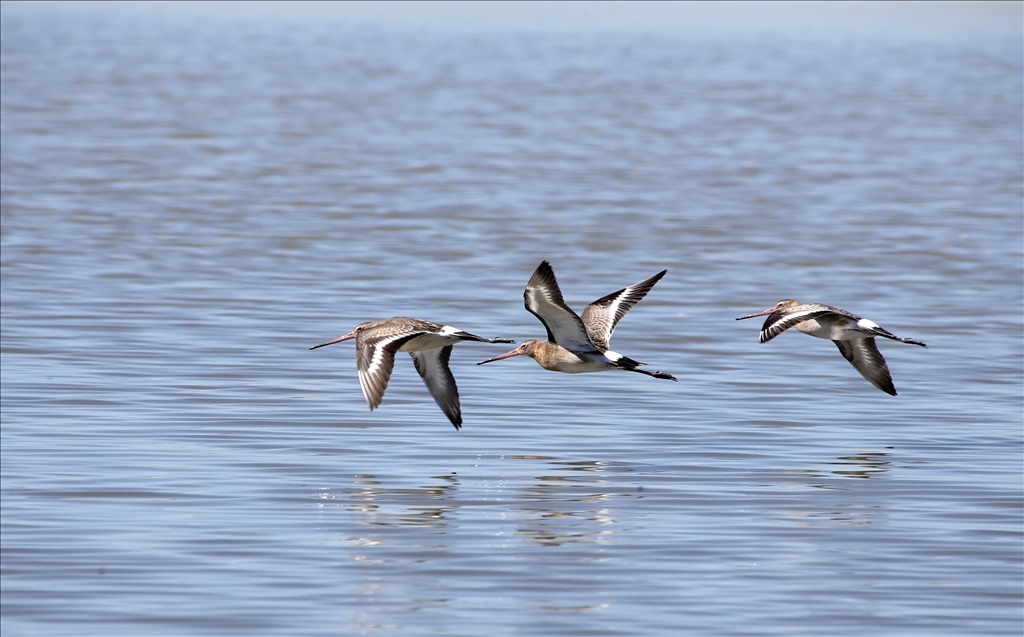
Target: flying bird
(853, 335)
(429, 344)
(578, 345)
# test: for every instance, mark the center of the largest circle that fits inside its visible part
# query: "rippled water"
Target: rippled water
(188, 205)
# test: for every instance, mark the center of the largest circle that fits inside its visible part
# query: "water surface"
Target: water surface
(189, 204)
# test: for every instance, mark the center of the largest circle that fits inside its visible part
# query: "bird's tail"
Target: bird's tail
(466, 336)
(631, 365)
(890, 335)
(655, 373)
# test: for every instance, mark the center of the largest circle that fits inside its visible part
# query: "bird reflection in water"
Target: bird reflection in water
(871, 464)
(861, 466)
(843, 510)
(567, 503)
(417, 506)
(570, 508)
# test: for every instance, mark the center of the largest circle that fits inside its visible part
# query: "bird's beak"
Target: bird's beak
(514, 352)
(761, 313)
(346, 337)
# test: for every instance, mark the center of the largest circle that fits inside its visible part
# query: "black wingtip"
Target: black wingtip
(886, 385)
(546, 272)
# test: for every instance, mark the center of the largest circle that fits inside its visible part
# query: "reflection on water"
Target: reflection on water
(848, 510)
(569, 508)
(189, 203)
(862, 466)
(379, 505)
(563, 505)
(871, 464)
(855, 514)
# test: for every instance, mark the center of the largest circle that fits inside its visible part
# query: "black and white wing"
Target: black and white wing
(779, 322)
(543, 299)
(432, 364)
(375, 360)
(601, 316)
(863, 354)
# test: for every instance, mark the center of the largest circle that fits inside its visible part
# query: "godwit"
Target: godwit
(429, 344)
(576, 345)
(853, 335)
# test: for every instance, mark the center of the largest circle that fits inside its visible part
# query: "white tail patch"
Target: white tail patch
(612, 356)
(448, 330)
(865, 324)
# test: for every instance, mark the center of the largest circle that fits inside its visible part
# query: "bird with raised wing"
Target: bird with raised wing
(577, 344)
(853, 335)
(429, 344)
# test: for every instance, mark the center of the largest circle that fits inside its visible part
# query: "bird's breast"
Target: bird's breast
(556, 358)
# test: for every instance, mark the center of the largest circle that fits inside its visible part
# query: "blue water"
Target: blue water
(189, 204)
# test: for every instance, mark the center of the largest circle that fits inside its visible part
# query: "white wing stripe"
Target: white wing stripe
(375, 363)
(565, 326)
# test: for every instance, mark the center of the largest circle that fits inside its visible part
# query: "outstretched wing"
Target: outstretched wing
(432, 364)
(601, 316)
(863, 354)
(375, 360)
(543, 299)
(779, 322)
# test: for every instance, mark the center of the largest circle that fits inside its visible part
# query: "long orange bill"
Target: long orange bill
(337, 340)
(761, 313)
(514, 352)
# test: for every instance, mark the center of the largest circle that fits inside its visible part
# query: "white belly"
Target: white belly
(835, 328)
